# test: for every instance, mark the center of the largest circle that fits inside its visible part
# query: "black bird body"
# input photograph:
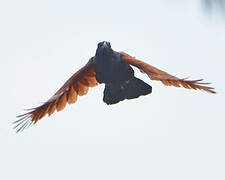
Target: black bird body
(117, 75)
(111, 68)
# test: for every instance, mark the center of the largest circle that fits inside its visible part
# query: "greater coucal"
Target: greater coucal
(114, 70)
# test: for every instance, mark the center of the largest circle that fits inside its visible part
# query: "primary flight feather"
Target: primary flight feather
(114, 70)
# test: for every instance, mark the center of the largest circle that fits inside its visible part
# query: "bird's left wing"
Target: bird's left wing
(164, 77)
(78, 84)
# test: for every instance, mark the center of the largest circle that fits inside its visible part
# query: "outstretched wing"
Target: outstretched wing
(167, 79)
(76, 85)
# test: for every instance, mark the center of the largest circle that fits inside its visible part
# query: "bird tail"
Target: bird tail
(130, 89)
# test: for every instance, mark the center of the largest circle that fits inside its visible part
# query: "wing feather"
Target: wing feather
(76, 85)
(72, 96)
(167, 79)
(61, 104)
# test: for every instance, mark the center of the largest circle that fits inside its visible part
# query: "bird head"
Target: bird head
(104, 48)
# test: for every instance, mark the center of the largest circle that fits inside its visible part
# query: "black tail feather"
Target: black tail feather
(130, 89)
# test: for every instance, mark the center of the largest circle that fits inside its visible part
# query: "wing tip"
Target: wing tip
(198, 85)
(24, 122)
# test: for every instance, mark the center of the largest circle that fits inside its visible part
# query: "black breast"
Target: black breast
(111, 68)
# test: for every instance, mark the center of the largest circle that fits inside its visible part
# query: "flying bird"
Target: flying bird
(114, 69)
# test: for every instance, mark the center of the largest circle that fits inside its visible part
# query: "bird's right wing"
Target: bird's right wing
(167, 79)
(76, 85)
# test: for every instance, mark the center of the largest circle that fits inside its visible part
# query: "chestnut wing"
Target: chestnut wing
(167, 79)
(76, 85)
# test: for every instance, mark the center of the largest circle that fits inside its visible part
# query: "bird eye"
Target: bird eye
(99, 45)
(108, 44)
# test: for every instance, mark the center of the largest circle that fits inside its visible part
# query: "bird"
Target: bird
(115, 70)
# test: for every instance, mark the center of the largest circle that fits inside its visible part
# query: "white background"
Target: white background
(171, 134)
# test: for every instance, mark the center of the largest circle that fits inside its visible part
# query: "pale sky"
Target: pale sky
(171, 134)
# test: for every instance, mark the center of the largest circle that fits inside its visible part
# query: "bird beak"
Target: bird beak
(104, 45)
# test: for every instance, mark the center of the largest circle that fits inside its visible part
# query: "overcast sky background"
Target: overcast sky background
(171, 134)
